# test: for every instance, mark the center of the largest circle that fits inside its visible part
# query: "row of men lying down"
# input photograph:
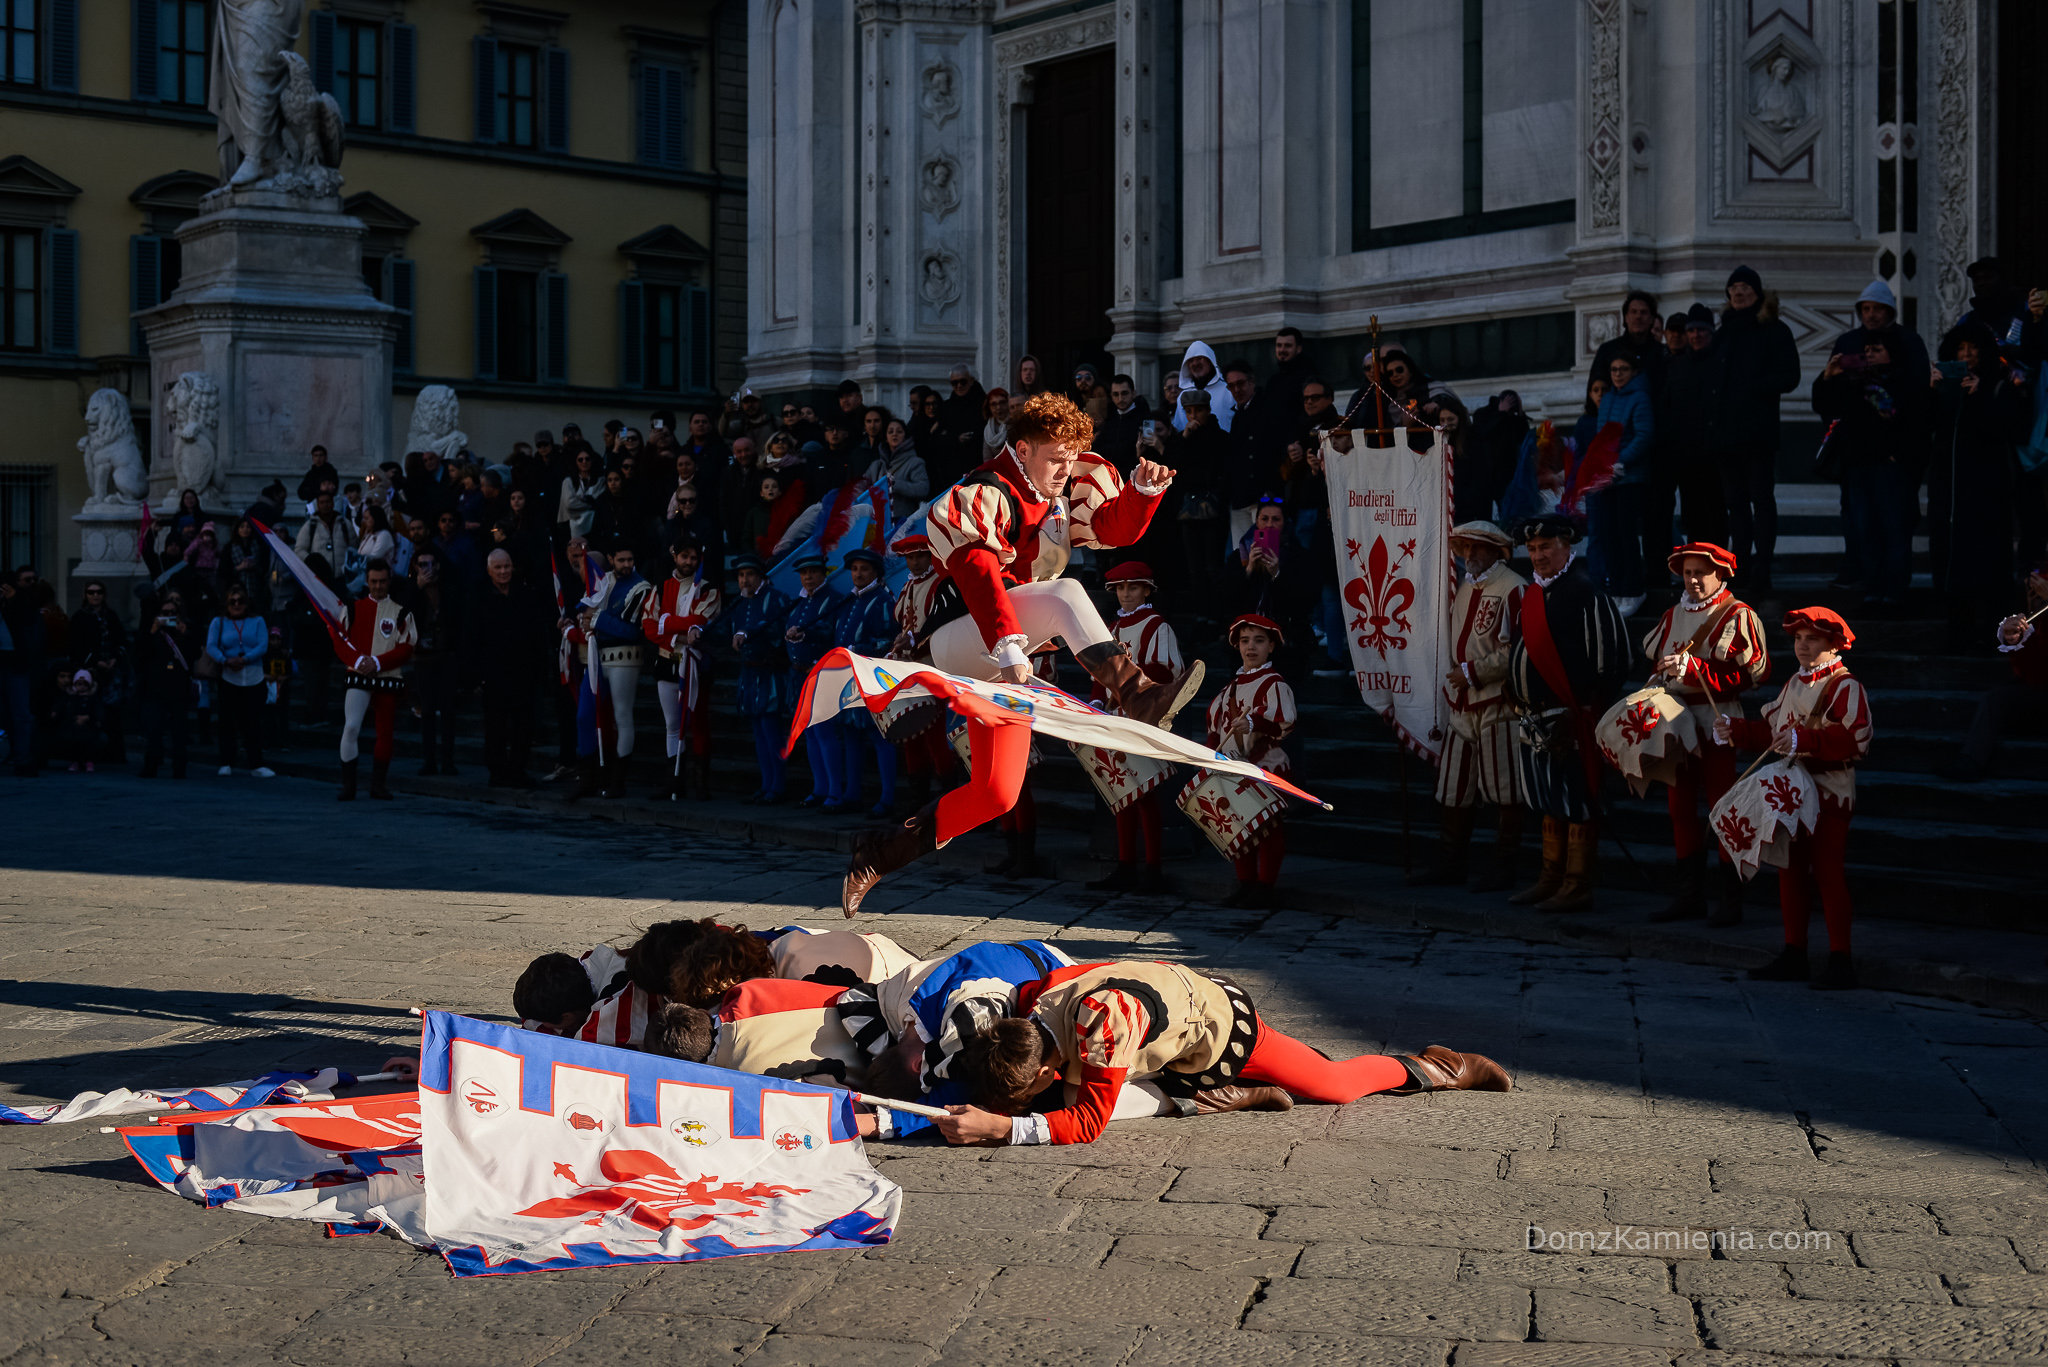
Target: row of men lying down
(986, 1032)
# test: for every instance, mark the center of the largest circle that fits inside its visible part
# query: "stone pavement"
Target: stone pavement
(1870, 1159)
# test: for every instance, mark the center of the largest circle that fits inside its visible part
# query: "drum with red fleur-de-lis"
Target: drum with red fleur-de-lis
(1232, 811)
(1757, 820)
(1121, 779)
(1647, 735)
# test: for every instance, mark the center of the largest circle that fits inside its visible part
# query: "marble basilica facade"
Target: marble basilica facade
(1486, 177)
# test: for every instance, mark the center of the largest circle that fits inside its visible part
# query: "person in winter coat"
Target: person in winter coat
(169, 642)
(1486, 457)
(1877, 318)
(995, 429)
(909, 483)
(1198, 371)
(956, 432)
(1116, 437)
(1752, 362)
(1874, 400)
(1979, 417)
(1681, 432)
(1615, 513)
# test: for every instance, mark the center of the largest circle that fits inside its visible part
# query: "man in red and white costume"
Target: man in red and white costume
(374, 645)
(676, 616)
(1143, 632)
(1248, 720)
(925, 596)
(1821, 715)
(1004, 534)
(1707, 650)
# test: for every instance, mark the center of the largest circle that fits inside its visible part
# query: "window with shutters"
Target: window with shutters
(665, 314)
(518, 95)
(26, 492)
(518, 326)
(666, 97)
(18, 42)
(521, 301)
(21, 289)
(358, 72)
(663, 305)
(181, 52)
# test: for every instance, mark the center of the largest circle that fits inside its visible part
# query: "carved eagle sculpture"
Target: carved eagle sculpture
(312, 120)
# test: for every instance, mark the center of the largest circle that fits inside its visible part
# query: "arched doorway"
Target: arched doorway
(1070, 214)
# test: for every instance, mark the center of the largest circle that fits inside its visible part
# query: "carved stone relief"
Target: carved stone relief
(938, 91)
(1603, 152)
(938, 185)
(938, 278)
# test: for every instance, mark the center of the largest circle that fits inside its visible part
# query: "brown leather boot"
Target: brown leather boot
(876, 853)
(1500, 865)
(1438, 1069)
(1582, 838)
(1552, 878)
(1235, 1097)
(1139, 697)
(1449, 864)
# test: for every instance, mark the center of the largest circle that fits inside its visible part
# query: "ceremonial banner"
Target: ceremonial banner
(545, 1154)
(843, 680)
(222, 1096)
(851, 518)
(1390, 512)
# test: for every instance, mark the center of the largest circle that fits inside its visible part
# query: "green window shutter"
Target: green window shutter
(484, 49)
(398, 292)
(60, 246)
(143, 40)
(699, 314)
(145, 284)
(404, 69)
(632, 335)
(486, 323)
(61, 48)
(553, 310)
(555, 88)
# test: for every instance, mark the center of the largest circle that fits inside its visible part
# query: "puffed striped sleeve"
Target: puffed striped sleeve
(970, 517)
(1102, 510)
(1276, 714)
(1846, 737)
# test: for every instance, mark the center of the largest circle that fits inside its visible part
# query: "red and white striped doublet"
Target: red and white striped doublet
(1831, 740)
(382, 630)
(1154, 648)
(1730, 658)
(1260, 702)
(1481, 770)
(1097, 509)
(670, 612)
(1478, 761)
(914, 604)
(621, 1018)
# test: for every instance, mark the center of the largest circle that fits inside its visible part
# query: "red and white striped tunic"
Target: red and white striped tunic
(914, 604)
(621, 1018)
(1258, 702)
(1153, 646)
(1731, 658)
(1831, 740)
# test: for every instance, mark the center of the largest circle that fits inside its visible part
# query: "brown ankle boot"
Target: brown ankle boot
(1437, 1069)
(1137, 696)
(876, 853)
(1500, 864)
(1552, 878)
(1576, 893)
(1449, 864)
(1236, 1097)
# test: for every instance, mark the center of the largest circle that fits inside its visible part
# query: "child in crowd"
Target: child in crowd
(755, 534)
(78, 717)
(1143, 631)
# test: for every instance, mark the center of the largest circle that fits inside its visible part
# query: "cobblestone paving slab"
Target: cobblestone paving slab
(1724, 1174)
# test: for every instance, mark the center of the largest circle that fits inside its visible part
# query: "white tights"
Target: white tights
(1055, 608)
(671, 694)
(355, 704)
(624, 682)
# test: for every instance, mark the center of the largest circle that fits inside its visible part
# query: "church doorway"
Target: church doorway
(1070, 214)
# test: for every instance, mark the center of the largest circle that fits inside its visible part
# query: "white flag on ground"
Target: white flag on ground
(222, 1096)
(1390, 511)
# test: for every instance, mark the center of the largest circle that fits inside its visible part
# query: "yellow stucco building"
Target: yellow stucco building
(556, 200)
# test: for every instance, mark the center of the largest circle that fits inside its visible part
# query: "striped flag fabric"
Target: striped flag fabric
(856, 516)
(221, 1096)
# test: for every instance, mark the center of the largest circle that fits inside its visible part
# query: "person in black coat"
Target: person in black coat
(1487, 456)
(956, 432)
(1752, 362)
(1979, 417)
(99, 642)
(1682, 428)
(1116, 437)
(1875, 399)
(170, 641)
(505, 649)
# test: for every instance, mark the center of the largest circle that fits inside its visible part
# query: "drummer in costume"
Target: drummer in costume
(1821, 715)
(1143, 633)
(1004, 534)
(1248, 720)
(866, 626)
(807, 633)
(755, 620)
(926, 593)
(1566, 663)
(1478, 763)
(374, 645)
(611, 612)
(1095, 1027)
(677, 614)
(1707, 650)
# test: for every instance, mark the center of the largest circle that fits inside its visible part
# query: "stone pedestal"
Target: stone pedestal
(106, 550)
(271, 304)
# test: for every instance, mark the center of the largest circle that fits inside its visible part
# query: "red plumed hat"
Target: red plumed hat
(1131, 572)
(1720, 555)
(1826, 621)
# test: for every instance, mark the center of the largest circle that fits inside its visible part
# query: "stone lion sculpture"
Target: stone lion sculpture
(193, 406)
(434, 414)
(114, 474)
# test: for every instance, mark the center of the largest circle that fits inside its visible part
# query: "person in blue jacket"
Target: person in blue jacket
(808, 632)
(1614, 514)
(867, 626)
(755, 621)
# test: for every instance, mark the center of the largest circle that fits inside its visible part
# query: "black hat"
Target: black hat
(811, 561)
(1555, 525)
(1700, 316)
(849, 386)
(862, 553)
(748, 562)
(1744, 275)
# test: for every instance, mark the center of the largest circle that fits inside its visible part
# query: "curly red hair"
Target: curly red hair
(1053, 418)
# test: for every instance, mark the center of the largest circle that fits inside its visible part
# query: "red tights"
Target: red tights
(1818, 859)
(1261, 863)
(998, 755)
(1712, 771)
(927, 752)
(1140, 816)
(1289, 1064)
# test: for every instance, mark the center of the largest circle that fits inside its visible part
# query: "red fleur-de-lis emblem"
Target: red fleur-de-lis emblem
(1736, 831)
(1109, 767)
(1782, 793)
(1217, 812)
(646, 1190)
(1613, 760)
(1381, 597)
(1638, 722)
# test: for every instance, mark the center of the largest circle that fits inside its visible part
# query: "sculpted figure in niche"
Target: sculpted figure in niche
(939, 286)
(938, 189)
(938, 92)
(114, 474)
(193, 406)
(1778, 105)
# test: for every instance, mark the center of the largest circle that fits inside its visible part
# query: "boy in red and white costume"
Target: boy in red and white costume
(676, 615)
(1248, 720)
(925, 594)
(374, 645)
(1707, 649)
(1821, 715)
(1004, 534)
(1143, 632)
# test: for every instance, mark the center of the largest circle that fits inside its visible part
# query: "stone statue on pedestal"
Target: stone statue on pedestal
(193, 406)
(115, 477)
(433, 428)
(275, 130)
